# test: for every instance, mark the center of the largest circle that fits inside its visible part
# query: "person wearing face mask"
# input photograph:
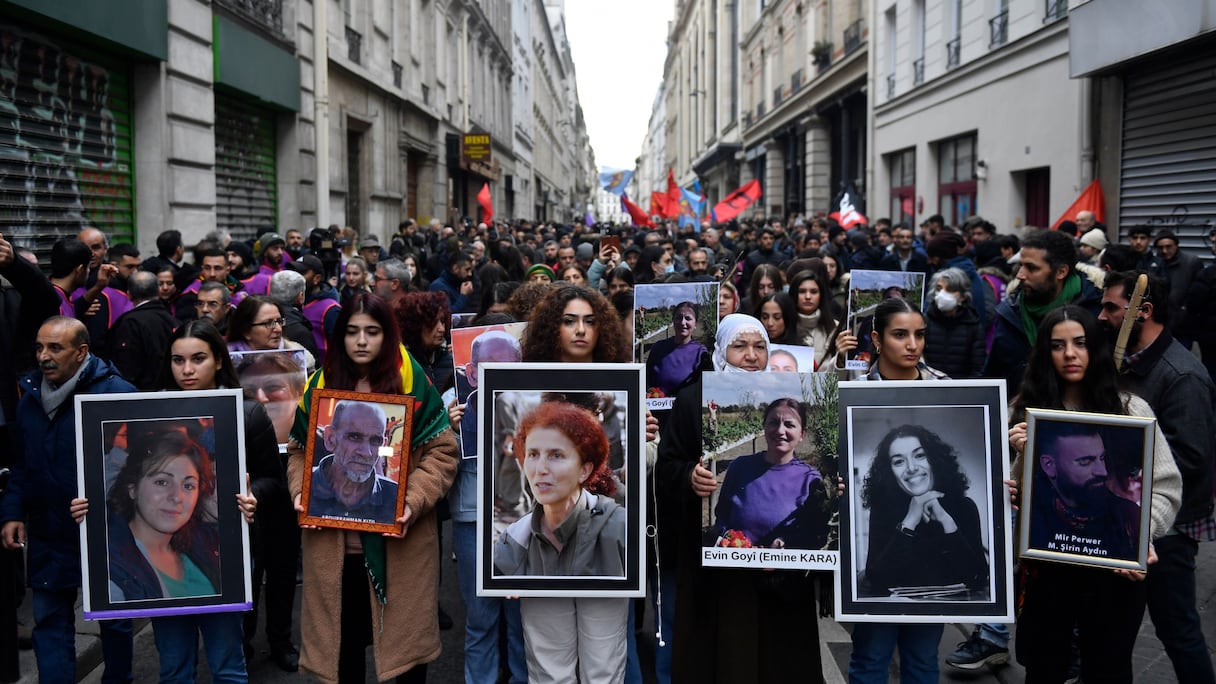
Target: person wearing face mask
(653, 265)
(954, 340)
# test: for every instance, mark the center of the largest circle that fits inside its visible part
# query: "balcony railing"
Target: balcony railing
(890, 86)
(398, 71)
(998, 30)
(952, 53)
(852, 36)
(354, 45)
(1056, 9)
(265, 13)
(747, 118)
(776, 97)
(918, 71)
(796, 81)
(760, 111)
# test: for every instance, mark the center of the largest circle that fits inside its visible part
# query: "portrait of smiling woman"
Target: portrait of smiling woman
(924, 530)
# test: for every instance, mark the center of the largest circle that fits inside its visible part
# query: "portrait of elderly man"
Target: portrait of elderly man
(1079, 512)
(347, 483)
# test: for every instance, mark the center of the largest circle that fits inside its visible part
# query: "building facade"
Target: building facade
(137, 126)
(974, 113)
(1154, 123)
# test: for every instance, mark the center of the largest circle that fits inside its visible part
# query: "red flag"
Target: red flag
(487, 207)
(673, 197)
(736, 202)
(658, 203)
(1091, 199)
(638, 216)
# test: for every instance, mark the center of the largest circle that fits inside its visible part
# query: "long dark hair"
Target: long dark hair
(789, 315)
(753, 288)
(643, 272)
(384, 376)
(881, 489)
(200, 329)
(1042, 386)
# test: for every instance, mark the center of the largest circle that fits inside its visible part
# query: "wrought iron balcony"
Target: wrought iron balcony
(776, 97)
(952, 53)
(852, 36)
(1056, 9)
(998, 29)
(265, 13)
(796, 81)
(890, 86)
(747, 118)
(760, 111)
(354, 45)
(398, 71)
(918, 71)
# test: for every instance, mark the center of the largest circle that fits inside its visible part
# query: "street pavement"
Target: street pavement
(1149, 660)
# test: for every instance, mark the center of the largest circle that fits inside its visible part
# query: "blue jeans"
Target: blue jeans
(874, 643)
(177, 642)
(54, 638)
(482, 617)
(1171, 605)
(996, 634)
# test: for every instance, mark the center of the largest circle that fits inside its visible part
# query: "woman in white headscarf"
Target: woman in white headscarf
(730, 625)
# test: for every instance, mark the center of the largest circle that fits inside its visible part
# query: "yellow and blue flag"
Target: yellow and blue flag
(691, 204)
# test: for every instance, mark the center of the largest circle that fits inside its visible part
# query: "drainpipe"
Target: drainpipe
(320, 89)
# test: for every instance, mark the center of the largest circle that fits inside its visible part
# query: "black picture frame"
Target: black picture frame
(118, 580)
(515, 389)
(893, 435)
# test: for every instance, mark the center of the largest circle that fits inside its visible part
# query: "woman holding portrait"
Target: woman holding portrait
(726, 624)
(772, 497)
(361, 588)
(674, 362)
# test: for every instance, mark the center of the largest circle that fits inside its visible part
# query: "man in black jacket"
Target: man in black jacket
(140, 337)
(1177, 387)
(904, 256)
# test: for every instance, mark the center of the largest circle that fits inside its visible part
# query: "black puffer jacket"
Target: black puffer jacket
(954, 344)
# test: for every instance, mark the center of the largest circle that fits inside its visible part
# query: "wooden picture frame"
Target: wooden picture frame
(387, 470)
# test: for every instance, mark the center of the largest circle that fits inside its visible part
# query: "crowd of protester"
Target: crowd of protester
(376, 317)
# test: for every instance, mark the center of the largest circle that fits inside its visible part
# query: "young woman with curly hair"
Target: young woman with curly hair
(564, 636)
(575, 325)
(423, 319)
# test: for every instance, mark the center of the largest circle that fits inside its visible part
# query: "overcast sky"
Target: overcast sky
(618, 48)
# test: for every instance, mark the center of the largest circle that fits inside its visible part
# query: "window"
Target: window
(956, 179)
(902, 169)
(954, 45)
(892, 51)
(918, 42)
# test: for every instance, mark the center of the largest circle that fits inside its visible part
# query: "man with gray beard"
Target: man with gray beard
(347, 483)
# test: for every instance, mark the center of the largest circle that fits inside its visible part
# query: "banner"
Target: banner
(615, 181)
(1091, 199)
(636, 214)
(487, 206)
(850, 209)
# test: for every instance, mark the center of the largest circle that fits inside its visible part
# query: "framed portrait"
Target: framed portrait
(771, 443)
(866, 290)
(925, 529)
(674, 325)
(164, 534)
(1087, 489)
(275, 378)
(562, 456)
(470, 347)
(358, 454)
(791, 358)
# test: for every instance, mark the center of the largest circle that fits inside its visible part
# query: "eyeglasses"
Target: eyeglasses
(272, 323)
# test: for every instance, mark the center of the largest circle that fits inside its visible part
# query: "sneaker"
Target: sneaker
(975, 653)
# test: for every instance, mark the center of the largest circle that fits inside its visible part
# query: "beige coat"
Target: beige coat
(410, 632)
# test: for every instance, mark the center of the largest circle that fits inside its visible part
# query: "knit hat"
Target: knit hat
(1095, 238)
(266, 240)
(585, 251)
(945, 245)
(369, 242)
(242, 250)
(540, 268)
